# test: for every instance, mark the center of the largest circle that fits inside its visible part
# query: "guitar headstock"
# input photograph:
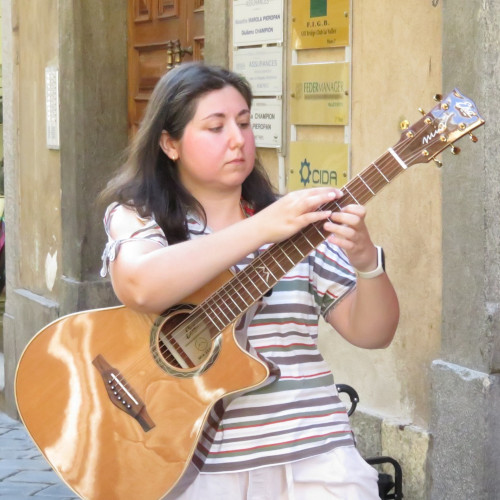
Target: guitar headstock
(454, 117)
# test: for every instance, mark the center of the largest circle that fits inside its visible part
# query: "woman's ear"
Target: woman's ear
(169, 146)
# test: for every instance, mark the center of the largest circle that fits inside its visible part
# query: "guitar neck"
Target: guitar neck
(253, 282)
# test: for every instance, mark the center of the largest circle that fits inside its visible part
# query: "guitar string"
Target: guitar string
(373, 178)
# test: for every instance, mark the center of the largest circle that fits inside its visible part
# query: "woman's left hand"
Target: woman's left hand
(367, 317)
(349, 232)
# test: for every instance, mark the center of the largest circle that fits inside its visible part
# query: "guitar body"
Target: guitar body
(99, 450)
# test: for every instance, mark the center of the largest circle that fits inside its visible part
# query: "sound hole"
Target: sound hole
(181, 341)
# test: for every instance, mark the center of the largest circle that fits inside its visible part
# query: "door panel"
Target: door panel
(161, 35)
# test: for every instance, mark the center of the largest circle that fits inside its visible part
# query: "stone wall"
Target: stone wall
(55, 234)
(465, 457)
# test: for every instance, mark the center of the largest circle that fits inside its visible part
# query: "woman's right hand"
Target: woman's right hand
(294, 211)
(149, 278)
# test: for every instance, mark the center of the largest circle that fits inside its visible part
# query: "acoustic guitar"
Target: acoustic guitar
(116, 400)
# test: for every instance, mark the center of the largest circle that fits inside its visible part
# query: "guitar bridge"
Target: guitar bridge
(121, 394)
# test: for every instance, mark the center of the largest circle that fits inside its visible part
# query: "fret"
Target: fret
(280, 247)
(222, 311)
(274, 271)
(284, 271)
(297, 248)
(290, 250)
(212, 317)
(318, 230)
(234, 302)
(230, 283)
(369, 188)
(293, 251)
(312, 245)
(260, 292)
(352, 196)
(271, 272)
(236, 278)
(213, 322)
(264, 271)
(381, 173)
(364, 195)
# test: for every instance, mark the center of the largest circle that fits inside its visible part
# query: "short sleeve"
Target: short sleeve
(332, 275)
(150, 231)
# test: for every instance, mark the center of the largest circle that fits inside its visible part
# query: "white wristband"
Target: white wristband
(378, 270)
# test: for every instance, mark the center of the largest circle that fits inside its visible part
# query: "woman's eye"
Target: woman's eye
(244, 124)
(216, 129)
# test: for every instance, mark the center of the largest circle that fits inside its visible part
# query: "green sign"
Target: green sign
(318, 8)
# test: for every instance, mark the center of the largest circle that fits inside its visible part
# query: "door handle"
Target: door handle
(180, 52)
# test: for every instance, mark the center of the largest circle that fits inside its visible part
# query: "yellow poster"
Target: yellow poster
(320, 23)
(320, 94)
(314, 164)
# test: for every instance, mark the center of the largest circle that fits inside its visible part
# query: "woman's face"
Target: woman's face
(217, 149)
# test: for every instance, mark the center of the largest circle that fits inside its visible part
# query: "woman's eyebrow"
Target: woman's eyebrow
(223, 115)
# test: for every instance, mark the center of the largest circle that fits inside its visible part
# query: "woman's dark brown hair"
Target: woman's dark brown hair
(148, 180)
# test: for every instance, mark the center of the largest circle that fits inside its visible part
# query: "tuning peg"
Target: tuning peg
(438, 97)
(455, 150)
(404, 125)
(421, 111)
(438, 163)
(473, 138)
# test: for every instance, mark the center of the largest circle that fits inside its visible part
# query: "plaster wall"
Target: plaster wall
(396, 68)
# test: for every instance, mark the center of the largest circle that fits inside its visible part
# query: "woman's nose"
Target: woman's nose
(236, 136)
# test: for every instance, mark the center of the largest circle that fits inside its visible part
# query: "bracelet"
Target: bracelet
(378, 270)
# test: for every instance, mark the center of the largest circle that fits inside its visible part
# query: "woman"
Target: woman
(192, 201)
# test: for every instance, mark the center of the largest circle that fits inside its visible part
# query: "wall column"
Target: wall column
(466, 380)
(88, 45)
(217, 21)
(93, 89)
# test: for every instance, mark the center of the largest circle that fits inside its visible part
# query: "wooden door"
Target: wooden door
(161, 35)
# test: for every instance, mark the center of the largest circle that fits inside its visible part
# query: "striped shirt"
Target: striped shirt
(299, 415)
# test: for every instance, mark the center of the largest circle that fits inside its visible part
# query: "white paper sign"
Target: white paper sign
(257, 22)
(266, 118)
(52, 107)
(262, 67)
